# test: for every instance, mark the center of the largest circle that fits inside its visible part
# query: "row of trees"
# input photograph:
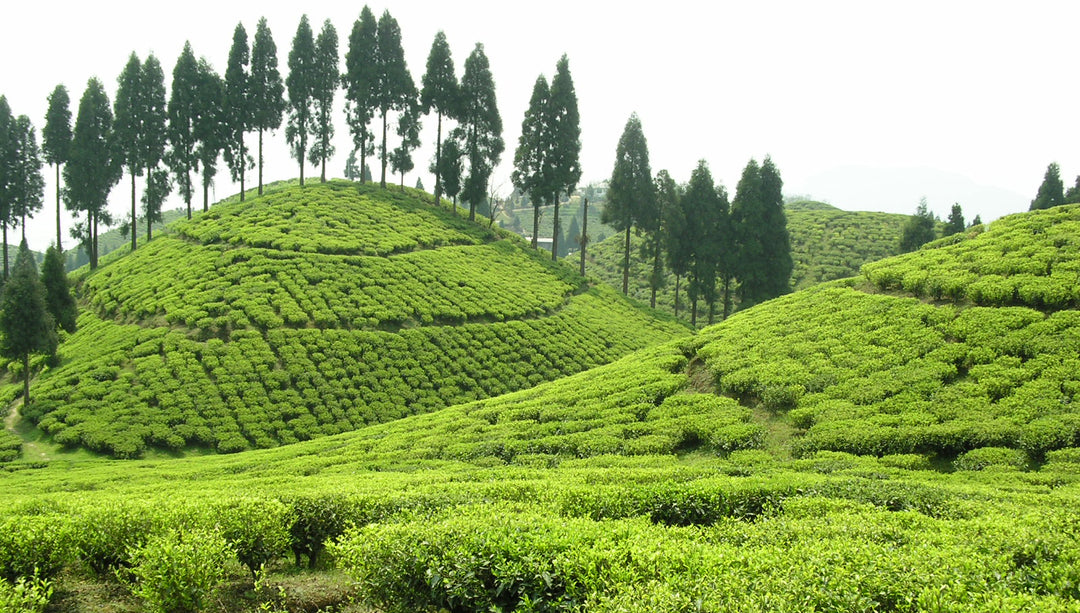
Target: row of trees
(724, 249)
(206, 118)
(922, 227)
(1052, 190)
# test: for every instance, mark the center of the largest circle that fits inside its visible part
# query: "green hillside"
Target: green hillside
(313, 311)
(826, 244)
(858, 446)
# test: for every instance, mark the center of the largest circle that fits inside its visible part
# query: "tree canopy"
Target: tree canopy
(919, 229)
(238, 116)
(326, 83)
(1051, 191)
(27, 326)
(303, 75)
(92, 171)
(480, 128)
(360, 80)
(56, 141)
(266, 91)
(439, 93)
(631, 198)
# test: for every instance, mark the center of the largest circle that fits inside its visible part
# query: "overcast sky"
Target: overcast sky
(986, 91)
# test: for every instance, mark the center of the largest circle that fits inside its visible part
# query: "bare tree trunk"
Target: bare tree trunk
(555, 232)
(243, 167)
(133, 233)
(626, 264)
(382, 180)
(438, 159)
(584, 232)
(260, 163)
(58, 244)
(678, 278)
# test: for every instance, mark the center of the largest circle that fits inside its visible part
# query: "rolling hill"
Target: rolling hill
(826, 244)
(312, 311)
(905, 440)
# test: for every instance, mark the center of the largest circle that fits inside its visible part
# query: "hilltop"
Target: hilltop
(316, 310)
(826, 244)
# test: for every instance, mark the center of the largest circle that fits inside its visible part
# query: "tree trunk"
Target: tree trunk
(92, 221)
(206, 195)
(693, 312)
(133, 240)
(5, 253)
(626, 264)
(657, 268)
(382, 179)
(727, 296)
(26, 379)
(303, 152)
(536, 226)
(438, 159)
(58, 244)
(712, 312)
(149, 230)
(584, 239)
(243, 167)
(678, 278)
(363, 158)
(260, 164)
(555, 232)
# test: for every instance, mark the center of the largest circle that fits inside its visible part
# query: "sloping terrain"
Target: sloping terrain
(826, 244)
(313, 311)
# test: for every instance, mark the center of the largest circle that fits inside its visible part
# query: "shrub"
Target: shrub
(986, 457)
(34, 546)
(258, 530)
(317, 520)
(10, 446)
(104, 534)
(179, 570)
(24, 595)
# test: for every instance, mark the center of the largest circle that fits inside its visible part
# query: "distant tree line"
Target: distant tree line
(923, 226)
(177, 140)
(723, 249)
(1052, 191)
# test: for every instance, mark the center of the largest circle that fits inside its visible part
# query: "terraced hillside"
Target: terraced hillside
(826, 244)
(315, 311)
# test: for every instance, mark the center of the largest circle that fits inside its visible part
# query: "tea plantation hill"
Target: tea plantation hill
(826, 244)
(313, 311)
(907, 440)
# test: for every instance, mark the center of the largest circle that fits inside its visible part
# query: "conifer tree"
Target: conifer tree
(238, 115)
(183, 112)
(153, 142)
(361, 80)
(56, 141)
(564, 125)
(395, 89)
(266, 92)
(479, 128)
(209, 122)
(439, 93)
(631, 200)
(91, 171)
(408, 130)
(533, 174)
(918, 229)
(1072, 195)
(127, 127)
(326, 82)
(28, 190)
(451, 170)
(58, 299)
(705, 208)
(8, 172)
(761, 254)
(573, 235)
(1051, 191)
(352, 170)
(667, 195)
(301, 86)
(24, 320)
(676, 232)
(955, 223)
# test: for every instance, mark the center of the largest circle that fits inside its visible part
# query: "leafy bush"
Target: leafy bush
(104, 534)
(318, 520)
(987, 457)
(10, 446)
(179, 570)
(34, 545)
(257, 530)
(25, 595)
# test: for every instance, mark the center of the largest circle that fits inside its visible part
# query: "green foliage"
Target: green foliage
(631, 198)
(759, 232)
(257, 530)
(59, 301)
(25, 321)
(315, 521)
(479, 128)
(34, 545)
(25, 595)
(267, 91)
(10, 446)
(105, 534)
(179, 570)
(1051, 191)
(919, 229)
(92, 171)
(326, 80)
(992, 457)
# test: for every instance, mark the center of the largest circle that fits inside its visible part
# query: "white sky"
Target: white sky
(984, 89)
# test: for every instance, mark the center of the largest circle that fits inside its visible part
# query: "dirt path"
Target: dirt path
(13, 415)
(32, 450)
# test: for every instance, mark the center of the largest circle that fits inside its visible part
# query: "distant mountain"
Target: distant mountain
(898, 190)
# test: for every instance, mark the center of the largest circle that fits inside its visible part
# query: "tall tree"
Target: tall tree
(209, 126)
(1072, 195)
(58, 299)
(439, 93)
(631, 200)
(361, 80)
(408, 130)
(573, 235)
(762, 249)
(1051, 191)
(583, 241)
(564, 124)
(238, 112)
(326, 82)
(918, 229)
(451, 170)
(301, 86)
(183, 112)
(266, 92)
(395, 89)
(352, 170)
(955, 223)
(25, 322)
(705, 208)
(677, 231)
(153, 141)
(28, 192)
(127, 127)
(56, 141)
(91, 172)
(8, 172)
(667, 195)
(479, 128)
(532, 174)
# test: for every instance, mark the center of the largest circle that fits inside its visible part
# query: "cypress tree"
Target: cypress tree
(439, 93)
(209, 124)
(564, 125)
(918, 229)
(266, 91)
(56, 141)
(8, 172)
(573, 234)
(28, 190)
(238, 116)
(762, 249)
(153, 141)
(301, 86)
(479, 128)
(183, 111)
(24, 320)
(451, 170)
(705, 208)
(408, 130)
(127, 127)
(91, 172)
(631, 200)
(955, 223)
(326, 82)
(1051, 191)
(395, 89)
(676, 232)
(58, 299)
(532, 172)
(361, 81)
(667, 195)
